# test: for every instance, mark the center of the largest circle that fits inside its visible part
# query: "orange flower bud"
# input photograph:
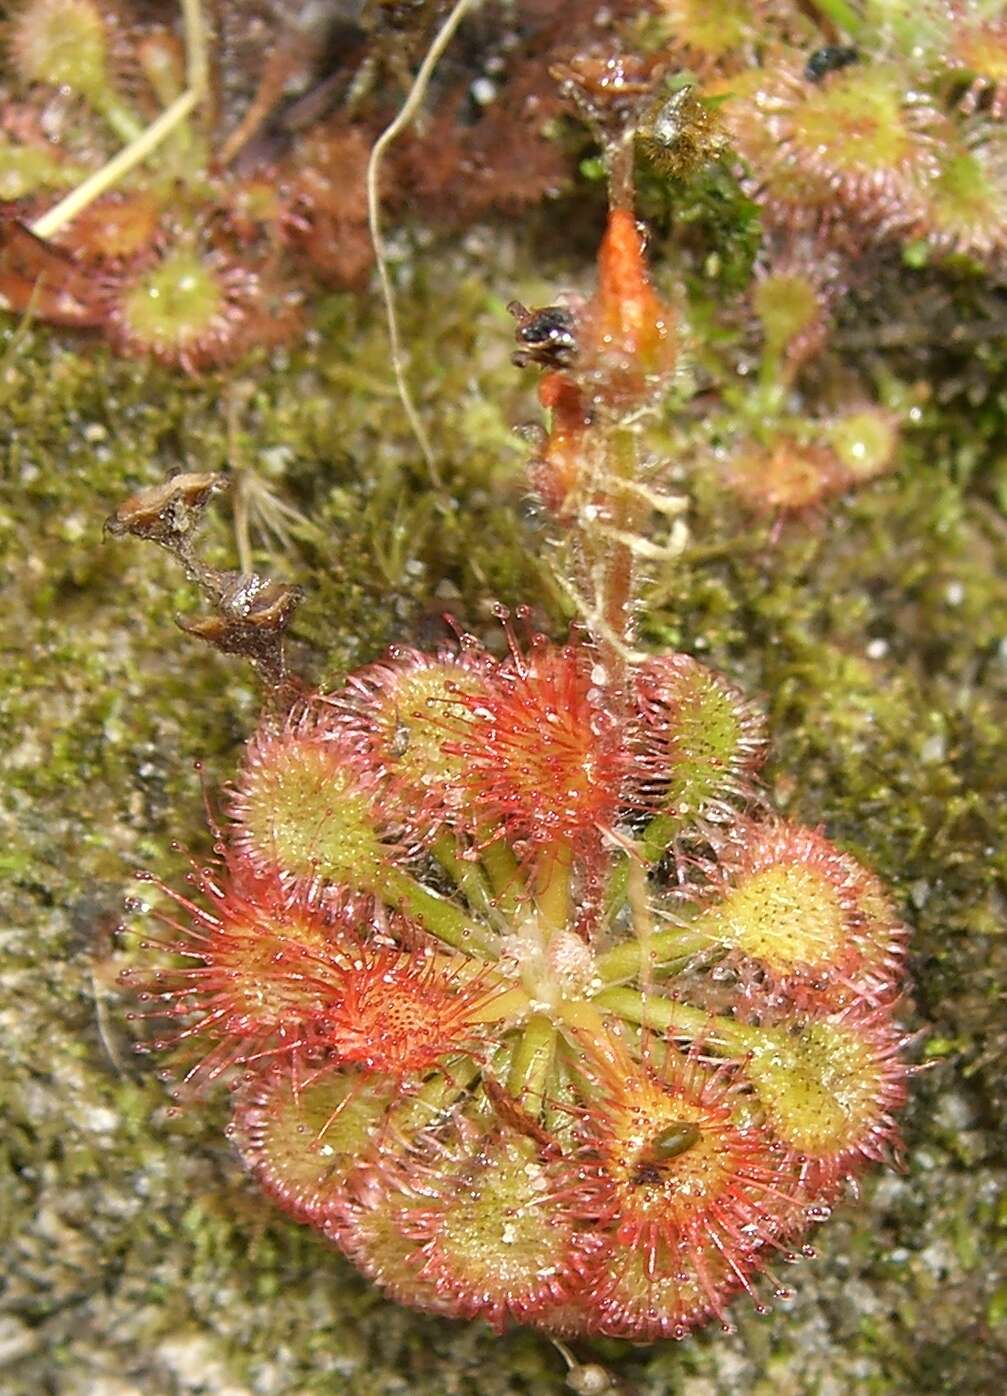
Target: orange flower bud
(629, 330)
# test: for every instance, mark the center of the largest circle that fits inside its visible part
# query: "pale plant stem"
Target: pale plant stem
(667, 1016)
(584, 1021)
(122, 121)
(641, 917)
(410, 107)
(433, 1097)
(442, 918)
(242, 532)
(624, 509)
(147, 141)
(650, 846)
(504, 873)
(628, 960)
(508, 1004)
(468, 877)
(197, 60)
(109, 175)
(531, 1063)
(553, 898)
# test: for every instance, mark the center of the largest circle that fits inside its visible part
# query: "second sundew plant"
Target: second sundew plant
(527, 999)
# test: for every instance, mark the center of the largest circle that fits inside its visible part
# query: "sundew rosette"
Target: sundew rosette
(457, 958)
(531, 1002)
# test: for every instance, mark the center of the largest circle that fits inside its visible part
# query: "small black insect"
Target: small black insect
(829, 60)
(546, 336)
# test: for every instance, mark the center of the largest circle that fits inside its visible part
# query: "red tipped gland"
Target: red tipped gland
(541, 755)
(400, 1012)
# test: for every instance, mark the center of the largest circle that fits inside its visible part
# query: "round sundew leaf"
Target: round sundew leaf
(786, 475)
(966, 202)
(504, 1238)
(405, 715)
(302, 1146)
(787, 304)
(416, 717)
(399, 1012)
(856, 144)
(682, 1172)
(62, 43)
(700, 739)
(369, 1231)
(270, 968)
(857, 124)
(829, 1087)
(120, 226)
(539, 754)
(301, 809)
(787, 916)
(710, 28)
(256, 969)
(665, 1296)
(174, 305)
(865, 442)
(801, 910)
(25, 169)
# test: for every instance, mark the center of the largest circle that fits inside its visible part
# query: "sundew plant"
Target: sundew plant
(525, 995)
